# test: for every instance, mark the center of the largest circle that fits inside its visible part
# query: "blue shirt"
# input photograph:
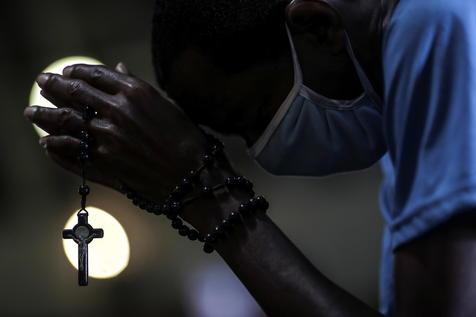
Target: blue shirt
(429, 60)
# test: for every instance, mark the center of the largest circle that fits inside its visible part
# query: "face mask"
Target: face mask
(313, 135)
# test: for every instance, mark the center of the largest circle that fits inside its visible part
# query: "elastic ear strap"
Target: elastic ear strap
(368, 87)
(296, 66)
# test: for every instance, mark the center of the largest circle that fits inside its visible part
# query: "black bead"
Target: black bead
(210, 238)
(130, 195)
(206, 190)
(235, 217)
(193, 235)
(135, 202)
(165, 208)
(84, 135)
(177, 223)
(262, 203)
(143, 205)
(183, 231)
(84, 146)
(156, 209)
(171, 216)
(84, 190)
(186, 184)
(208, 248)
(225, 224)
(228, 181)
(244, 208)
(193, 175)
(201, 238)
(218, 232)
(207, 160)
(83, 156)
(175, 206)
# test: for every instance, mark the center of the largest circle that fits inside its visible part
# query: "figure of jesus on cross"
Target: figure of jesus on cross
(83, 233)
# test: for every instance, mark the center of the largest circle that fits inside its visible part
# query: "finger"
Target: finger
(55, 121)
(64, 149)
(75, 93)
(66, 121)
(100, 77)
(63, 145)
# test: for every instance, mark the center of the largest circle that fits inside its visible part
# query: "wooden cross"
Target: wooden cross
(83, 233)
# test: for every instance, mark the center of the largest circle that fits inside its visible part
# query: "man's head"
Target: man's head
(228, 62)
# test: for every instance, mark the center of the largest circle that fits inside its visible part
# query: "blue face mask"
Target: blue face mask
(313, 135)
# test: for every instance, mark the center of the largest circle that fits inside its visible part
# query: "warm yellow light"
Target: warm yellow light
(36, 99)
(108, 256)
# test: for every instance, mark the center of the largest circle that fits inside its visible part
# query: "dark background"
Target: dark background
(334, 221)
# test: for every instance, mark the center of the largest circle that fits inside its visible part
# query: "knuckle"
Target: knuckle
(64, 116)
(74, 88)
(97, 74)
(52, 80)
(103, 151)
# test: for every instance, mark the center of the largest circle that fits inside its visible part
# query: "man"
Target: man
(315, 87)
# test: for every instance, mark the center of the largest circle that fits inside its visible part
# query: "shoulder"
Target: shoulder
(434, 12)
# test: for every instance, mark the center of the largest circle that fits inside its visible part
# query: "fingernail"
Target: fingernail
(67, 71)
(121, 67)
(29, 112)
(43, 143)
(42, 79)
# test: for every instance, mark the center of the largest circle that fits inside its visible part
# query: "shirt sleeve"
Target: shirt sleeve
(429, 56)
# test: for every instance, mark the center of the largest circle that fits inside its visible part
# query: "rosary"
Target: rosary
(190, 188)
(83, 233)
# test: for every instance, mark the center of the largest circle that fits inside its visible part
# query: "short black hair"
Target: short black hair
(235, 33)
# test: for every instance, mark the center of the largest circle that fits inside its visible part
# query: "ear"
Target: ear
(318, 22)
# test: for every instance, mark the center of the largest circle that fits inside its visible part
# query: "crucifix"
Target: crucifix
(83, 233)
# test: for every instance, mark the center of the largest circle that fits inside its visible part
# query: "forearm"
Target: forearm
(276, 273)
(280, 277)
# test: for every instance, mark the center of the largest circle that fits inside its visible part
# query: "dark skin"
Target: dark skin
(148, 143)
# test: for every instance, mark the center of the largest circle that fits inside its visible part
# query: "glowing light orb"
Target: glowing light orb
(108, 256)
(36, 99)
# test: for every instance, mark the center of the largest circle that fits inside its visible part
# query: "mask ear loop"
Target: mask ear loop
(256, 149)
(368, 87)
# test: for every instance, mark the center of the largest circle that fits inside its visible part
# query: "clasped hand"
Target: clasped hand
(139, 137)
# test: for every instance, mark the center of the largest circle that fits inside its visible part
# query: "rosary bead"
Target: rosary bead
(244, 208)
(172, 216)
(177, 223)
(84, 135)
(193, 235)
(156, 209)
(208, 248)
(226, 224)
(130, 196)
(83, 156)
(183, 231)
(84, 190)
(175, 206)
(262, 203)
(210, 238)
(206, 190)
(207, 160)
(143, 205)
(135, 202)
(234, 217)
(84, 146)
(218, 232)
(201, 238)
(186, 184)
